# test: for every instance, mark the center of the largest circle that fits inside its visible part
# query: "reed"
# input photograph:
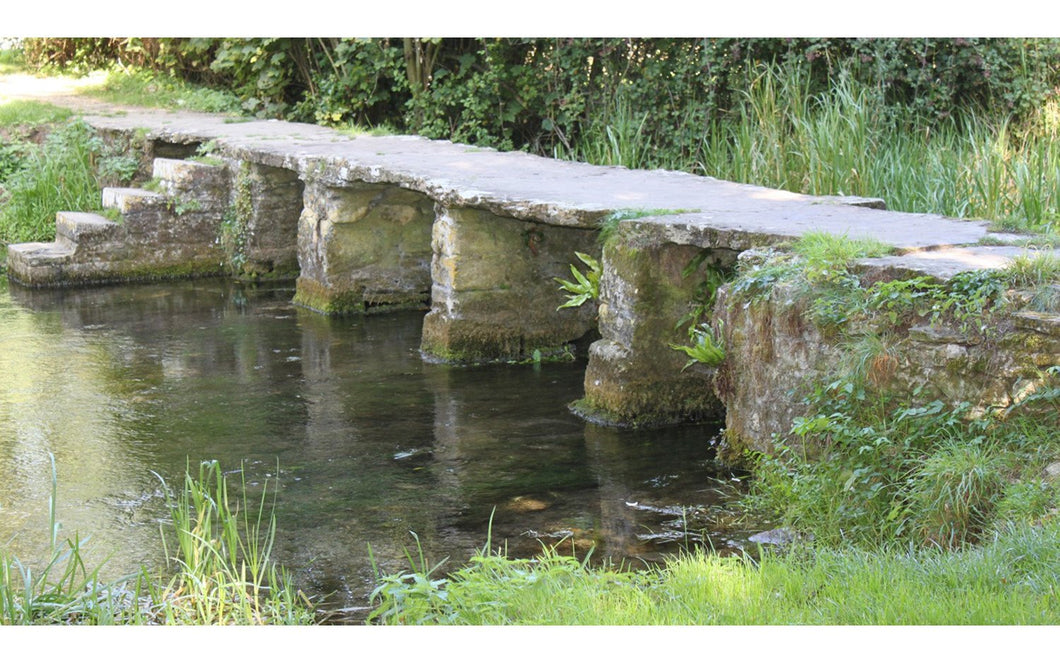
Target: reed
(61, 590)
(220, 571)
(849, 141)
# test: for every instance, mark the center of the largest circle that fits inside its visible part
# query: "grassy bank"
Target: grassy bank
(1010, 580)
(51, 161)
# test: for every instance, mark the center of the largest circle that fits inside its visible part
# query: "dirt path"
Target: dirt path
(64, 91)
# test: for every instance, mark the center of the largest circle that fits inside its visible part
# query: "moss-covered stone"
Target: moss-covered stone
(648, 294)
(317, 297)
(364, 246)
(494, 296)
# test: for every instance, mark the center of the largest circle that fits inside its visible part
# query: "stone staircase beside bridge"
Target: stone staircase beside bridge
(169, 231)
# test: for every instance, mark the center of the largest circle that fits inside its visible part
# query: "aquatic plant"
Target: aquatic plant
(63, 590)
(222, 569)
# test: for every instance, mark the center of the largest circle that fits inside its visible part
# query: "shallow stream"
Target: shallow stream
(360, 440)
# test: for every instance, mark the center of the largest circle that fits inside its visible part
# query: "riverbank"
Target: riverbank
(1012, 579)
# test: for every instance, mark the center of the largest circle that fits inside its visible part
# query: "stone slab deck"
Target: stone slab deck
(532, 188)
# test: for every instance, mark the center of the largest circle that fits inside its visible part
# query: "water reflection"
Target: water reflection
(361, 440)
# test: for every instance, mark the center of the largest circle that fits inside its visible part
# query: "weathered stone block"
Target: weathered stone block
(634, 376)
(267, 204)
(494, 295)
(364, 245)
(194, 185)
(776, 356)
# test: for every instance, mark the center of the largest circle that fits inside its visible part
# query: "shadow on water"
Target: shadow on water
(360, 440)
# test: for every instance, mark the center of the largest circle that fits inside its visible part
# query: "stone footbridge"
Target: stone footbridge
(477, 238)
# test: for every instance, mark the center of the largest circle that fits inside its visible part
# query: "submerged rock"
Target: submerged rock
(781, 536)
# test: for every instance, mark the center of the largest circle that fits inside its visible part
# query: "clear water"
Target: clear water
(360, 440)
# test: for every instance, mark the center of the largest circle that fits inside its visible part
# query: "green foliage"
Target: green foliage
(12, 159)
(20, 122)
(898, 299)
(705, 348)
(11, 58)
(827, 257)
(66, 172)
(31, 113)
(954, 491)
(885, 471)
(585, 287)
(405, 598)
(61, 175)
(235, 224)
(162, 90)
(224, 572)
(864, 467)
(1032, 270)
(64, 590)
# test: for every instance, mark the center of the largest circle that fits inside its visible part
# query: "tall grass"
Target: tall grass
(224, 573)
(848, 141)
(221, 572)
(61, 175)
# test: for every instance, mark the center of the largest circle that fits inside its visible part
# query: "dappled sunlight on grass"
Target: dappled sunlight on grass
(805, 585)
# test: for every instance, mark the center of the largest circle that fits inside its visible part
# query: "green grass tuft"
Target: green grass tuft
(221, 573)
(31, 113)
(159, 90)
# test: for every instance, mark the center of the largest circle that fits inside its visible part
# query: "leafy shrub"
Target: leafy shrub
(545, 94)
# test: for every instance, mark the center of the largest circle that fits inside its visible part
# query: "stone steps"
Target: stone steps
(77, 229)
(91, 247)
(195, 184)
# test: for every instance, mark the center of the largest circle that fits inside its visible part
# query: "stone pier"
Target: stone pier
(494, 295)
(364, 246)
